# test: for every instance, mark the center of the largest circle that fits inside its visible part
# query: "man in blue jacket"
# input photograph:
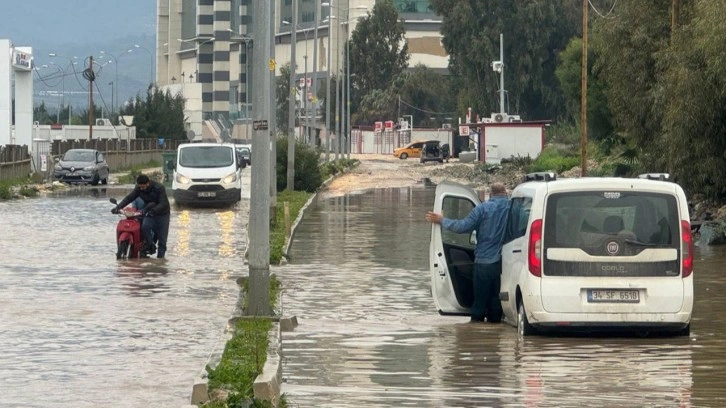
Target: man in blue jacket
(488, 219)
(155, 225)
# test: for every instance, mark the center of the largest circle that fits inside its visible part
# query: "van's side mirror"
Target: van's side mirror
(472, 238)
(170, 165)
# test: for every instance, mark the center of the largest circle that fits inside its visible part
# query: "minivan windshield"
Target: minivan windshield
(206, 156)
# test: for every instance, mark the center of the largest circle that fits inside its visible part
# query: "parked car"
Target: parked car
(245, 154)
(433, 150)
(412, 149)
(587, 254)
(82, 166)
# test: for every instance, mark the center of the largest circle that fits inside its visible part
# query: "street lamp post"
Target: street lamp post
(291, 102)
(305, 59)
(151, 60)
(345, 124)
(63, 82)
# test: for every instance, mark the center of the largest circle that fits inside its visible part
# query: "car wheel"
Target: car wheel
(441, 160)
(685, 332)
(404, 156)
(95, 180)
(104, 181)
(523, 326)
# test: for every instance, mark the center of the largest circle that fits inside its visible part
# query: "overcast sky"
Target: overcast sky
(48, 23)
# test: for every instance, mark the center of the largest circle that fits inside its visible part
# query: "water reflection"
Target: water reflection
(143, 277)
(369, 334)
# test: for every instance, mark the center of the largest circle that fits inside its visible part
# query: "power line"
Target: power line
(599, 13)
(426, 111)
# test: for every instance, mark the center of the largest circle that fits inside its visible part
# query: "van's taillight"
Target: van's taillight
(686, 248)
(535, 248)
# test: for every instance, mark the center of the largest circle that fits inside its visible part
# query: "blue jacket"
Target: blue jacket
(488, 219)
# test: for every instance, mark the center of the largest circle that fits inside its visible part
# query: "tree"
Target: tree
(159, 115)
(426, 94)
(378, 52)
(568, 73)
(534, 33)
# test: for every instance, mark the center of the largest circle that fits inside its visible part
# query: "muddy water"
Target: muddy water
(370, 336)
(80, 329)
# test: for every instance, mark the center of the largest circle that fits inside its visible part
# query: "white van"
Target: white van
(207, 173)
(587, 254)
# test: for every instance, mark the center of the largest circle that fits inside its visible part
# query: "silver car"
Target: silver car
(82, 166)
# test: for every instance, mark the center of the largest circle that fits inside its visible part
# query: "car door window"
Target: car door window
(456, 208)
(518, 219)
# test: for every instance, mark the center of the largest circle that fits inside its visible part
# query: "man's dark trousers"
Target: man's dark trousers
(157, 227)
(487, 281)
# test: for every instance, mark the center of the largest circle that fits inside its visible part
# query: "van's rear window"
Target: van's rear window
(585, 219)
(206, 156)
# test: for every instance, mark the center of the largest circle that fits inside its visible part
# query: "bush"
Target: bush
(552, 159)
(308, 173)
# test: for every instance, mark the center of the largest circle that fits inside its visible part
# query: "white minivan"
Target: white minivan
(207, 173)
(587, 254)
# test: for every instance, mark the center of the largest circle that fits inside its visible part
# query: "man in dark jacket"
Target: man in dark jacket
(155, 225)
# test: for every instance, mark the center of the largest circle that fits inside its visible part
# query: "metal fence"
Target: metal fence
(16, 161)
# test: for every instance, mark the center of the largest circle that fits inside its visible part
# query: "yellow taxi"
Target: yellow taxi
(412, 149)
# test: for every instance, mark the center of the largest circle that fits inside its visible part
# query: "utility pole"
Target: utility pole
(583, 94)
(91, 77)
(259, 224)
(273, 118)
(313, 138)
(292, 102)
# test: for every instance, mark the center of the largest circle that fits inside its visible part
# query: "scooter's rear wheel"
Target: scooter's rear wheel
(123, 250)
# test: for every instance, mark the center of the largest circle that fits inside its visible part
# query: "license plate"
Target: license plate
(206, 194)
(613, 296)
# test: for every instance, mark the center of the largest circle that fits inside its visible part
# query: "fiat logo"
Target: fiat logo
(613, 248)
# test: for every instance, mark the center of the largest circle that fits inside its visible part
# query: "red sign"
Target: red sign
(309, 81)
(389, 124)
(378, 126)
(56, 126)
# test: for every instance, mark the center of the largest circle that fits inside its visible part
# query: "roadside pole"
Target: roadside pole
(259, 220)
(292, 102)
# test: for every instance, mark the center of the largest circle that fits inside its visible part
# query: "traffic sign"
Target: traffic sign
(377, 127)
(464, 130)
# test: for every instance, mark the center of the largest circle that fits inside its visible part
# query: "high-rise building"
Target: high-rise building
(204, 51)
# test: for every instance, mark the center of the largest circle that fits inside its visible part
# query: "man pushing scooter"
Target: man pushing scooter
(156, 212)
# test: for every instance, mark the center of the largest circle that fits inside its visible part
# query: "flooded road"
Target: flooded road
(80, 329)
(369, 335)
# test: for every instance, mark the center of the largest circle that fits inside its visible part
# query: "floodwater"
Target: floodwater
(369, 335)
(80, 329)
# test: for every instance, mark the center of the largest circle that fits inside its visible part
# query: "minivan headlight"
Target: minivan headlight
(90, 168)
(231, 178)
(181, 179)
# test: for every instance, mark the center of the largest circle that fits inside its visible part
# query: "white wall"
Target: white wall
(5, 93)
(512, 139)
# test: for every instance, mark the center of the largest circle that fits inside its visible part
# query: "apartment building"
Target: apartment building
(204, 51)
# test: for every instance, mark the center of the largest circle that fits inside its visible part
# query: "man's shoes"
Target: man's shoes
(143, 254)
(475, 320)
(151, 249)
(160, 257)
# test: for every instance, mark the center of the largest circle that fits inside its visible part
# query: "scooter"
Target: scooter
(128, 233)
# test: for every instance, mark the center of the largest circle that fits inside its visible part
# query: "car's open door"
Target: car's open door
(451, 255)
